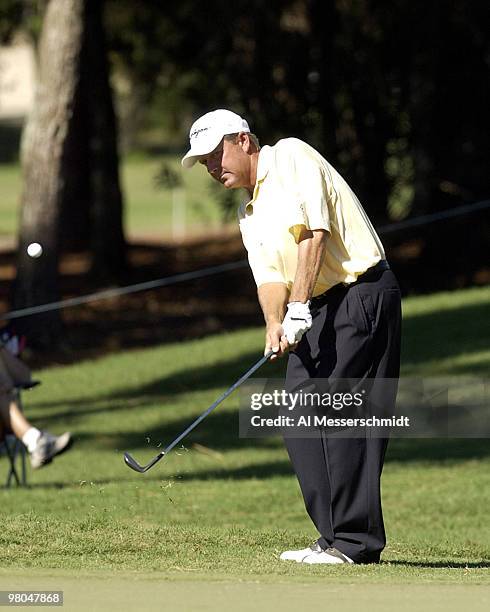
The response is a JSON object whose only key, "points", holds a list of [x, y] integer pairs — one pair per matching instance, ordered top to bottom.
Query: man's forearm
{"points": [[311, 251], [273, 298]]}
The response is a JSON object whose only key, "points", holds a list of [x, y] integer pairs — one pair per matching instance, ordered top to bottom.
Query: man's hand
{"points": [[296, 322], [275, 341]]}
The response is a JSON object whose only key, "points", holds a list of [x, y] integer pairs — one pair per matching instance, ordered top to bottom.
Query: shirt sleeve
{"points": [[305, 180], [263, 272]]}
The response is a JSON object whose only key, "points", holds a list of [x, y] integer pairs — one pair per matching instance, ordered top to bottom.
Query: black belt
{"points": [[381, 266], [370, 273]]}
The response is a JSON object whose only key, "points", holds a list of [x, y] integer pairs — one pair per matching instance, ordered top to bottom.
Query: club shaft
{"points": [[228, 392], [132, 463]]}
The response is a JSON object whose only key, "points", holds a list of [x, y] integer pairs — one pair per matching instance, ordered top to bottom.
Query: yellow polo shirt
{"points": [[297, 188]]}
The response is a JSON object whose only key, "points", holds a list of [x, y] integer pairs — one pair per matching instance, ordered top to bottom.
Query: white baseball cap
{"points": [[207, 132]]}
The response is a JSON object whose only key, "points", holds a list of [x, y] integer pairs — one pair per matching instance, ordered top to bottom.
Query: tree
{"points": [[395, 96], [43, 161], [71, 194], [92, 205], [107, 242]]}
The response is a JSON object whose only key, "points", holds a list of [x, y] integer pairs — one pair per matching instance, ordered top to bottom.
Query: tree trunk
{"points": [[43, 163], [76, 195], [107, 236]]}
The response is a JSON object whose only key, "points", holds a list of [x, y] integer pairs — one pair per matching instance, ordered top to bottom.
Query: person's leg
{"points": [[357, 336], [368, 338], [12, 372], [12, 417], [15, 422], [41, 445], [307, 455], [310, 465]]}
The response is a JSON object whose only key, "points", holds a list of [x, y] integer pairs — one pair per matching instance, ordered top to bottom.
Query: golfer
{"points": [[329, 299]]}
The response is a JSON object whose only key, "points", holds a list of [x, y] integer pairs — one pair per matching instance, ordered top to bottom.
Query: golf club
{"points": [[134, 465]]}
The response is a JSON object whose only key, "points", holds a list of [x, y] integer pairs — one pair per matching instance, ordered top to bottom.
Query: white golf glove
{"points": [[297, 321]]}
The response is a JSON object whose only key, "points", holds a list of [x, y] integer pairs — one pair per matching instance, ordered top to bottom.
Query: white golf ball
{"points": [[34, 249]]}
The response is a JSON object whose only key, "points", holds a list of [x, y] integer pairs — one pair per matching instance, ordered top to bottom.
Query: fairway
{"points": [[206, 525], [156, 591]]}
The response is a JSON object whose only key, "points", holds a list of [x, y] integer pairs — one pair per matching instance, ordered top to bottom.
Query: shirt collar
{"points": [[263, 166]]}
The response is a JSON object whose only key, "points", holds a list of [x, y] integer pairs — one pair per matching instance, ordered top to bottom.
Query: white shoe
{"points": [[48, 446], [299, 555], [331, 556]]}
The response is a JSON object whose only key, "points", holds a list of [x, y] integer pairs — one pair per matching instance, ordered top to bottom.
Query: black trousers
{"points": [[355, 334]]}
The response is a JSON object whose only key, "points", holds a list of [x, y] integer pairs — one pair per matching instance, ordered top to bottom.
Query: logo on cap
{"points": [[198, 131]]}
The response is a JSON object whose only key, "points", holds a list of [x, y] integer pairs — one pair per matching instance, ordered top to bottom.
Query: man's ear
{"points": [[245, 142]]}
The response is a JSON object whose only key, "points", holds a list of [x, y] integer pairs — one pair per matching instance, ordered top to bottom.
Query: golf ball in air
{"points": [[34, 249]]}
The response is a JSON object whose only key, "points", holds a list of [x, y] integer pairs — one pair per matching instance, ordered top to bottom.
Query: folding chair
{"points": [[14, 448]]}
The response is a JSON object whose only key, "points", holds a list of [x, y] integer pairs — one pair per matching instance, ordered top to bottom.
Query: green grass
{"points": [[10, 180], [148, 208], [447, 333], [225, 516]]}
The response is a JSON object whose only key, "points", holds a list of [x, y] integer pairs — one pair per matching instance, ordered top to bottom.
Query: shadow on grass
{"points": [[440, 335], [426, 337], [218, 376], [219, 433], [437, 450], [427, 451], [261, 471]]}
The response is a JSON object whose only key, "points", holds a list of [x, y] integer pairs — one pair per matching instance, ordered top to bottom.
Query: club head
{"points": [[133, 464]]}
